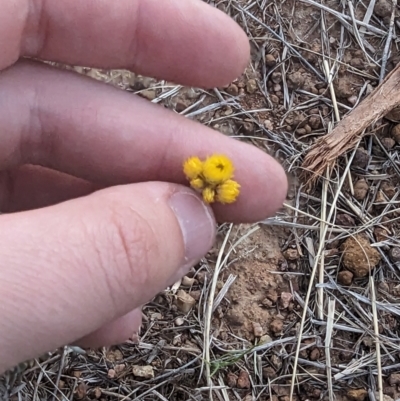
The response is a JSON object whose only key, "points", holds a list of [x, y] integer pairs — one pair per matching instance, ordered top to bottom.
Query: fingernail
{"points": [[197, 224]]}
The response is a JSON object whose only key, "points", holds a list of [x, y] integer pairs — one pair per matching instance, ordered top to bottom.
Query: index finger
{"points": [[188, 42]]}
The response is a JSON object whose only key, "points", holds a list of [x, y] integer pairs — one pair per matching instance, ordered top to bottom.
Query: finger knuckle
{"points": [[130, 246]]}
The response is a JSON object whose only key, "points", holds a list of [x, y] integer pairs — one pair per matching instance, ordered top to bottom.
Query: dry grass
{"points": [[353, 328]]}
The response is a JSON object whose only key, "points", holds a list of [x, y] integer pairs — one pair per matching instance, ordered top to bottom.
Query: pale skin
{"points": [[97, 215]]}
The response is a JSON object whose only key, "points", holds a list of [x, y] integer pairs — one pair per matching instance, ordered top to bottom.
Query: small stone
{"points": [[383, 8], [270, 60], [357, 63], [276, 77], [295, 80], [251, 86], [277, 88], [343, 88], [233, 90], [148, 94], [274, 99], [352, 100], [181, 104], [228, 111], [314, 122], [268, 125], [248, 128], [308, 129], [301, 131], [396, 133], [388, 143], [361, 158], [361, 189], [388, 189], [380, 197], [343, 219], [380, 234], [291, 254], [394, 254], [359, 256], [345, 277], [188, 281], [196, 295], [272, 295], [285, 299], [184, 301], [267, 302], [179, 321], [276, 326], [257, 329], [265, 339], [368, 342], [315, 354], [114, 355], [276, 361], [119, 368], [147, 371], [111, 373], [269, 373], [394, 379], [231, 380], [243, 380], [80, 391], [390, 391], [97, 393], [357, 394], [385, 397]]}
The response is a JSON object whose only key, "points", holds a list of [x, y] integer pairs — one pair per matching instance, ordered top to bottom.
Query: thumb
{"points": [[68, 269]]}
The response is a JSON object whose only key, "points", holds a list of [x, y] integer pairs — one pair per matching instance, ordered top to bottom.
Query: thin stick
{"points": [[388, 41], [210, 301], [328, 341], [377, 341]]}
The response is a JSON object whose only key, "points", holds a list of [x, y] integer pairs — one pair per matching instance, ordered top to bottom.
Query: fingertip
{"points": [[264, 187]]}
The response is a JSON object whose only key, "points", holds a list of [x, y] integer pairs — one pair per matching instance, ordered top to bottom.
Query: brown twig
{"points": [[344, 137]]}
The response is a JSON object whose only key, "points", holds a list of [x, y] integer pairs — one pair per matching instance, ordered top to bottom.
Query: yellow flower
{"points": [[192, 167], [217, 169], [197, 184], [228, 192], [208, 195]]}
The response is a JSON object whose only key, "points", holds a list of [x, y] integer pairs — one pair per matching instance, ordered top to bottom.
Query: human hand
{"points": [[98, 218]]}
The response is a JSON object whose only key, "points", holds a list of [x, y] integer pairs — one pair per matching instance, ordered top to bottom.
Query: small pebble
{"points": [[270, 60], [251, 86], [233, 90], [396, 133], [388, 143], [361, 158], [361, 189], [394, 254], [345, 277], [315, 354], [243, 380]]}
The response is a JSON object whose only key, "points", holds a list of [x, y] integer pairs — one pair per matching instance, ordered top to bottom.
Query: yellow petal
{"points": [[192, 167], [217, 169], [197, 184], [228, 192], [208, 195]]}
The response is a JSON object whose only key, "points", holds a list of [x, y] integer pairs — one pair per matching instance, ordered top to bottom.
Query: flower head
{"points": [[193, 167], [217, 169], [212, 178], [197, 183], [228, 192], [208, 195]]}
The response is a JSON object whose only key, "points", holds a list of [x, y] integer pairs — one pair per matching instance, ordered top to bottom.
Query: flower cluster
{"points": [[212, 178]]}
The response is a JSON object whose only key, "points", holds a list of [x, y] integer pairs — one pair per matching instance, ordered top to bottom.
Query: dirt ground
{"points": [[255, 338]]}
